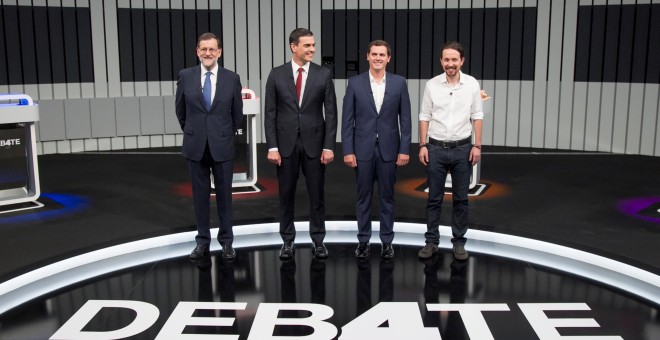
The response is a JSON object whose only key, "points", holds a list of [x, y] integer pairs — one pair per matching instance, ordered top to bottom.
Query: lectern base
{"points": [[20, 206]]}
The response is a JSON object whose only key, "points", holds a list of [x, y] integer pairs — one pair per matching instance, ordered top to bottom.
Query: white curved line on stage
{"points": [[103, 261]]}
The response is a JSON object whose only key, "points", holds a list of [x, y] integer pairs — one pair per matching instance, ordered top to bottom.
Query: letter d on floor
{"points": [[147, 314]]}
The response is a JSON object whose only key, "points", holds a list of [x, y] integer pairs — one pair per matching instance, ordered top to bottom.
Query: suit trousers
{"points": [[367, 172], [200, 174], [287, 176]]}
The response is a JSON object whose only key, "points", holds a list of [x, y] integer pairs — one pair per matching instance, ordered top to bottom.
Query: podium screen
{"points": [[13, 158]]}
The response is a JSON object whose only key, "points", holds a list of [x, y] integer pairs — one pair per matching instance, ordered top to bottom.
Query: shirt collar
{"points": [[295, 67], [214, 70], [443, 77], [373, 80]]}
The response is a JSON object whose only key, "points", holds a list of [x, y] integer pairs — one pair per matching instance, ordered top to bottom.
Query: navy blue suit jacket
{"points": [[361, 123], [216, 126]]}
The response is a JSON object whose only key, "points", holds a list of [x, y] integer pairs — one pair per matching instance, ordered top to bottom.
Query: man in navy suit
{"points": [[209, 107], [299, 136], [375, 139]]}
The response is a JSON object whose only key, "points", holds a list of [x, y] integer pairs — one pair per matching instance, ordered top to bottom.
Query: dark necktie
{"points": [[299, 82], [206, 90]]}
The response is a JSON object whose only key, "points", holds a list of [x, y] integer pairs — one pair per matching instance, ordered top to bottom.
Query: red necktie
{"points": [[299, 83]]}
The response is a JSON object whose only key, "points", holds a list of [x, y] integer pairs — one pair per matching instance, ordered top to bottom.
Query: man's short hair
{"points": [[295, 35], [209, 36], [380, 43], [454, 46]]}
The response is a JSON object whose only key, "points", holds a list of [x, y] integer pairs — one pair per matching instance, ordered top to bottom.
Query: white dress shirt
{"points": [[295, 68], [214, 78], [378, 90], [450, 109]]}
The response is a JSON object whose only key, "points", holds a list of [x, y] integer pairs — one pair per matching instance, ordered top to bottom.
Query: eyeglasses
{"points": [[209, 50]]}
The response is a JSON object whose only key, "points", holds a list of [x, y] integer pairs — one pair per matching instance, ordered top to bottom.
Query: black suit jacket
{"points": [[284, 118], [219, 124]]}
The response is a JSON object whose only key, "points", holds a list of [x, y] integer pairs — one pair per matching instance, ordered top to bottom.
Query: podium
{"points": [[19, 173], [244, 179]]}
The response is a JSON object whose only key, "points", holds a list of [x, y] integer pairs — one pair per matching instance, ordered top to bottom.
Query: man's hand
{"points": [[424, 155], [475, 155], [327, 156], [274, 157], [402, 159], [350, 160]]}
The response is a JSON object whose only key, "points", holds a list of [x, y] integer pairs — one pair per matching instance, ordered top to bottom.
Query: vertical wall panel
{"points": [[314, 9], [279, 36], [364, 37], [230, 40], [13, 42], [401, 43], [27, 45], [241, 45], [98, 49], [3, 60], [541, 74], [554, 74], [526, 109], [102, 113], [128, 116], [77, 117], [622, 117], [152, 119], [606, 119], [51, 120], [171, 122], [592, 124], [650, 129], [564, 132]]}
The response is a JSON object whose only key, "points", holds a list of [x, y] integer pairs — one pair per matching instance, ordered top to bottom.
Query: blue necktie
{"points": [[206, 90]]}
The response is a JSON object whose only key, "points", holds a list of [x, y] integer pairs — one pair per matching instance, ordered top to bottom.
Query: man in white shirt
{"points": [[451, 110]]}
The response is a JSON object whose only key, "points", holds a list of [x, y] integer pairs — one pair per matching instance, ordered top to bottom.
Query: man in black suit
{"points": [[209, 107], [299, 137], [375, 139]]}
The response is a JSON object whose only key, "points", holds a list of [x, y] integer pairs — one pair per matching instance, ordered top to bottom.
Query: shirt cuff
{"points": [[273, 149]]}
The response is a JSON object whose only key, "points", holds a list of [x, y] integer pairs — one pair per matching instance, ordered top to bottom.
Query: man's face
{"points": [[304, 51], [208, 53], [378, 58], [451, 62]]}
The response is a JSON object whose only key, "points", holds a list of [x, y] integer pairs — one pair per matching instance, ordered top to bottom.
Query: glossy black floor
{"points": [[599, 203]]}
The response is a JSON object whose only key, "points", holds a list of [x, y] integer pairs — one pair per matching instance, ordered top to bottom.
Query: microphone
{"points": [[451, 93]]}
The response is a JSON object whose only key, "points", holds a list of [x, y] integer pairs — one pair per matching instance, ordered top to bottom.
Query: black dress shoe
{"points": [[320, 250], [362, 250], [199, 251], [287, 251], [228, 252], [387, 252]]}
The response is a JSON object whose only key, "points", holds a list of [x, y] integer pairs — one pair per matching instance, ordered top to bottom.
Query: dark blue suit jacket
{"points": [[361, 123], [216, 126]]}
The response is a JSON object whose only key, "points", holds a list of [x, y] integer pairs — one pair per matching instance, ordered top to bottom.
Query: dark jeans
{"points": [[443, 161]]}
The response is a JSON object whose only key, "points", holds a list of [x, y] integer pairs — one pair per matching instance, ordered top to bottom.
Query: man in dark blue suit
{"points": [[209, 107], [301, 127], [375, 137]]}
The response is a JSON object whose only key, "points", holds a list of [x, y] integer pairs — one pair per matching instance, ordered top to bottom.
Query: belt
{"points": [[450, 144]]}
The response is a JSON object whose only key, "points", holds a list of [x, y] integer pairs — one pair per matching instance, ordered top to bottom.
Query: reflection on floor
{"points": [[368, 297]]}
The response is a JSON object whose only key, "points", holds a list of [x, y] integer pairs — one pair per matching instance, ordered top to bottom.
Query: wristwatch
{"points": [[423, 146], [476, 146]]}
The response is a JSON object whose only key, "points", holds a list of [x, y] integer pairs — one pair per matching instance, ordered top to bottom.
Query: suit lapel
{"points": [[311, 77], [219, 83], [291, 83], [367, 85], [385, 94], [200, 95]]}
